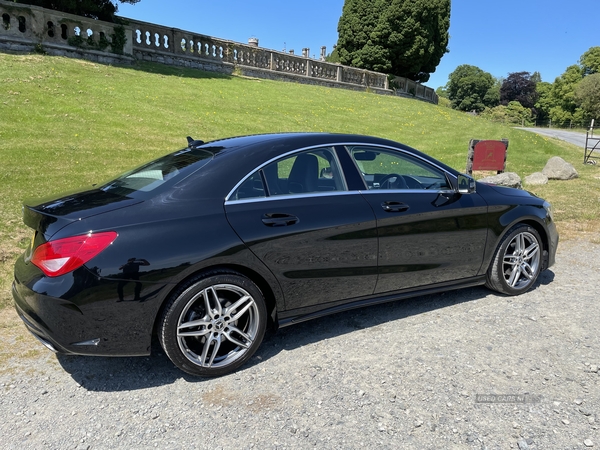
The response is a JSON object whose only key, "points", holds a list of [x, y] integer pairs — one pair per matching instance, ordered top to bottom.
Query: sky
{"points": [[499, 37]]}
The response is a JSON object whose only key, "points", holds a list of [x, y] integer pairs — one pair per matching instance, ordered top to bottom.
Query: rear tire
{"points": [[517, 262], [213, 324]]}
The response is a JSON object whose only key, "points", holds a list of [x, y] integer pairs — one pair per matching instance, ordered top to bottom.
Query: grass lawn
{"points": [[65, 123]]}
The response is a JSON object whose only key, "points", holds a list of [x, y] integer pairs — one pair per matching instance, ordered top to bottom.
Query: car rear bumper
{"points": [[24, 299], [95, 322]]}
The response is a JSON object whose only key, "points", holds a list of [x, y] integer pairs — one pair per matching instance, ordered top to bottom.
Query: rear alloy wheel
{"points": [[517, 262], [214, 324]]}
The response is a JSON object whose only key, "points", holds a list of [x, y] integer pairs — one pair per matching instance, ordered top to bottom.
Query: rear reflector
{"points": [[56, 258]]}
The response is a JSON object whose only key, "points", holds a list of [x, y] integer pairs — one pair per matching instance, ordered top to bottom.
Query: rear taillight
{"points": [[56, 258]]}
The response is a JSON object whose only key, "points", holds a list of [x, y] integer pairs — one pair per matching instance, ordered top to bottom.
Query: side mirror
{"points": [[466, 184]]}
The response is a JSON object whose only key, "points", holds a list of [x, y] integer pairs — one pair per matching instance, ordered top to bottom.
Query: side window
{"points": [[386, 169], [314, 170], [253, 187]]}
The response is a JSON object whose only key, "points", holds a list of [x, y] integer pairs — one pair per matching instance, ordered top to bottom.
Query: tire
{"points": [[517, 262], [213, 324]]}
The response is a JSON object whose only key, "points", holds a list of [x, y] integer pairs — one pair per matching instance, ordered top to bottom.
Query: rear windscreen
{"points": [[154, 174]]}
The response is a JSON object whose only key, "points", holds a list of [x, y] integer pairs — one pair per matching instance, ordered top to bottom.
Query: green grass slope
{"points": [[65, 123]]}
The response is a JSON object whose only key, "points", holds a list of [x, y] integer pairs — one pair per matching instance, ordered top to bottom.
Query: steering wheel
{"points": [[394, 181], [412, 182]]}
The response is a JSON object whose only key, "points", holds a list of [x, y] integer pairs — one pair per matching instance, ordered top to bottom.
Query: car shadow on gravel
{"points": [[131, 373]]}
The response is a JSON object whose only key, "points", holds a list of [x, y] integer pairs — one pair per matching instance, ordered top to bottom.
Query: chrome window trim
{"points": [[332, 145], [407, 153], [282, 156], [408, 191], [291, 196]]}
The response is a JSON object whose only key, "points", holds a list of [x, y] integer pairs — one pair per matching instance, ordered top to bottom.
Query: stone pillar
{"points": [[253, 42], [128, 47], [291, 51], [306, 52], [323, 53], [308, 68], [339, 73]]}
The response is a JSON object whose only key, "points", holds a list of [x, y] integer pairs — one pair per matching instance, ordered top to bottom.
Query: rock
{"points": [[558, 169], [536, 178], [509, 179], [578, 401], [522, 443], [588, 443]]}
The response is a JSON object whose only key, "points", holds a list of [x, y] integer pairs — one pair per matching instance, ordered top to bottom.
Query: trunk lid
{"points": [[50, 215]]}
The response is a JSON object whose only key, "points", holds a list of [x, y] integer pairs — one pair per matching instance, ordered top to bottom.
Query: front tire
{"points": [[517, 262], [213, 324]]}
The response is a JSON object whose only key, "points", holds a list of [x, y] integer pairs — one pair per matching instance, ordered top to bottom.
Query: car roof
{"points": [[235, 157]]}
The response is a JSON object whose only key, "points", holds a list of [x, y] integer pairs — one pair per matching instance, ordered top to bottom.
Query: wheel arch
{"points": [[531, 220], [254, 276]]}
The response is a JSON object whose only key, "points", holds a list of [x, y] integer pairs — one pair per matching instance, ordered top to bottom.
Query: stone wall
{"points": [[25, 28]]}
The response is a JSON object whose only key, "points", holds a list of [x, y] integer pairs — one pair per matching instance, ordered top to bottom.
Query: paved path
{"points": [[569, 136]]}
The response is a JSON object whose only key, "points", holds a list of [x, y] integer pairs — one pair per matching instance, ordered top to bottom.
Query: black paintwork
{"points": [[335, 250]]}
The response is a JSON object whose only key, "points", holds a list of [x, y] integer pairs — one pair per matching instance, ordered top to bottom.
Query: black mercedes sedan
{"points": [[208, 246]]}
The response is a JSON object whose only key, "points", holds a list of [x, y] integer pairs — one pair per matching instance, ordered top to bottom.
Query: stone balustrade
{"points": [[26, 28]]}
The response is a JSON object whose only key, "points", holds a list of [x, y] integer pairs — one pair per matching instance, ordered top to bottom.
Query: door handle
{"points": [[394, 206], [279, 220]]}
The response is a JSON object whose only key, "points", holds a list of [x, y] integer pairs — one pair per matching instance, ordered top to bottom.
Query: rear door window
{"points": [[307, 172]]}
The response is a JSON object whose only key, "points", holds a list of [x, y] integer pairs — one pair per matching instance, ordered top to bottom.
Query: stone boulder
{"points": [[558, 169], [536, 178], [509, 179]]}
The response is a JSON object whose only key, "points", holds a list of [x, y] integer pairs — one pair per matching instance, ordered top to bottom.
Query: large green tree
{"points": [[96, 9], [403, 37], [358, 44], [590, 61], [472, 89], [587, 96], [544, 102], [564, 108]]}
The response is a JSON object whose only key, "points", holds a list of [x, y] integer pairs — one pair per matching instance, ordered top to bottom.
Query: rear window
{"points": [[156, 173]]}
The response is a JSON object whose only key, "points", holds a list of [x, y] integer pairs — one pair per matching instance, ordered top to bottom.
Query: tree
{"points": [[96, 9], [404, 37], [356, 44], [333, 57], [590, 61], [536, 77], [519, 87], [470, 88], [442, 92], [587, 95], [492, 96], [545, 101], [564, 109], [514, 113]]}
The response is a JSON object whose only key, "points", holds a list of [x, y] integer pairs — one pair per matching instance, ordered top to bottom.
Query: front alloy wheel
{"points": [[518, 261], [214, 325]]}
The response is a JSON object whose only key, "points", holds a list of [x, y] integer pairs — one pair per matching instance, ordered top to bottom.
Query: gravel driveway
{"points": [[418, 374]]}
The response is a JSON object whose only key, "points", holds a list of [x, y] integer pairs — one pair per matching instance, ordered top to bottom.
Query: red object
{"points": [[489, 155], [56, 258]]}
